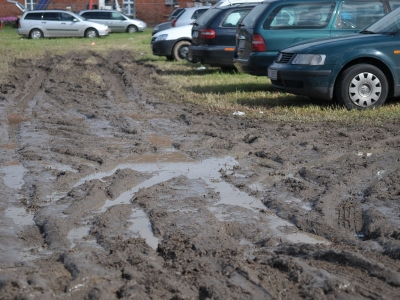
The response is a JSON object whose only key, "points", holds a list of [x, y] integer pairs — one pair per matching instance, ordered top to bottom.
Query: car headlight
{"points": [[161, 37], [309, 59]]}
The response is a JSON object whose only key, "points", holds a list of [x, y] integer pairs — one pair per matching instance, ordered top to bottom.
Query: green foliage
{"points": [[218, 92]]}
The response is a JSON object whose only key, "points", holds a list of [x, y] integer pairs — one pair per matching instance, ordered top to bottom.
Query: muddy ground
{"points": [[109, 192]]}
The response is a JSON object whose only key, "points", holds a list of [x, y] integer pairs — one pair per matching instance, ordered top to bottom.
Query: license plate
{"points": [[195, 34], [241, 44], [273, 74]]}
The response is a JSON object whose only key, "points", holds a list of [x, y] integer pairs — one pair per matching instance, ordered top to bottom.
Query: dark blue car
{"points": [[360, 70]]}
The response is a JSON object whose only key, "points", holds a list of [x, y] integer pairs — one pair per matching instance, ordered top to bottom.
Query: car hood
{"points": [[177, 32], [332, 44]]}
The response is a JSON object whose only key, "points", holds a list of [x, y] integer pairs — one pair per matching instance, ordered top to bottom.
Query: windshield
{"points": [[389, 24]]}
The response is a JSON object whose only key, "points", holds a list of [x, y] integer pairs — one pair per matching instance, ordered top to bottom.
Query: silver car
{"points": [[118, 22], [37, 24]]}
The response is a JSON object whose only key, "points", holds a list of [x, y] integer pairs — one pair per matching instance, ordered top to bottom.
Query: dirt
{"points": [[109, 192]]}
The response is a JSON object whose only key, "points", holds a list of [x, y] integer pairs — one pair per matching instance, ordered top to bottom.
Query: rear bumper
{"points": [[218, 56], [256, 64]]}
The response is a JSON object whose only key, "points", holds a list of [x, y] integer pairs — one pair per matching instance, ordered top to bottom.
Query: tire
{"points": [[132, 29], [91, 33], [36, 34], [181, 50], [229, 70], [362, 86]]}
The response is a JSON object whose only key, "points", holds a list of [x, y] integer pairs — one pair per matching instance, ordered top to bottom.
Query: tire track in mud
{"points": [[101, 151]]}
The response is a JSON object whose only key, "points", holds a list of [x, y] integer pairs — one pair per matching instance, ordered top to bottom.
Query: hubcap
{"points": [[183, 52], [365, 89]]}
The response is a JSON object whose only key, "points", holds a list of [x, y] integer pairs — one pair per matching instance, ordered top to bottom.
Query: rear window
{"points": [[198, 13], [255, 13], [303, 15], [33, 16], [207, 17], [234, 17]]}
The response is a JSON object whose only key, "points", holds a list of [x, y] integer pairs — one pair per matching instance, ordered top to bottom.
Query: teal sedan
{"points": [[360, 71]]}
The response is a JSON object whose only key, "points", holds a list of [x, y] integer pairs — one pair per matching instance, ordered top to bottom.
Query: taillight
{"points": [[173, 22], [19, 24], [207, 34], [258, 44]]}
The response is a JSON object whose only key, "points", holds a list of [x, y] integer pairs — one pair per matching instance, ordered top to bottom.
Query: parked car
{"points": [[174, 14], [186, 16], [118, 22], [37, 24], [277, 24], [214, 36], [172, 43], [360, 70]]}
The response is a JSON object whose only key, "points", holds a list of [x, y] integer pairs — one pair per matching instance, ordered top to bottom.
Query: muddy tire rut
{"points": [[112, 193]]}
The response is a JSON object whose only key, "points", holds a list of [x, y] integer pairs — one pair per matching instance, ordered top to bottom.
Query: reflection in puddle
{"points": [[208, 171], [13, 176], [20, 216], [142, 226]]}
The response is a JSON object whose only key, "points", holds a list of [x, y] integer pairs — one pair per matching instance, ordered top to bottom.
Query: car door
{"points": [[118, 23], [292, 23], [51, 24], [69, 27]]}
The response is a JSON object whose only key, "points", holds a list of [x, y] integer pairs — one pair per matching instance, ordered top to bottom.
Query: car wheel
{"points": [[132, 29], [91, 33], [36, 34], [181, 50], [362, 86]]}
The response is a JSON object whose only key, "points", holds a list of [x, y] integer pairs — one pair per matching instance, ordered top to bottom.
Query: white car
{"points": [[172, 43]]}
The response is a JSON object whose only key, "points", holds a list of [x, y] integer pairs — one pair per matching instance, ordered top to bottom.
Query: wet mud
{"points": [[110, 193]]}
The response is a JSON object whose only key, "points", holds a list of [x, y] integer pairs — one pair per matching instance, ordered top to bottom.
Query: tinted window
{"points": [[304, 15], [357, 15], [33, 16], [51, 16], [207, 17], [234, 17]]}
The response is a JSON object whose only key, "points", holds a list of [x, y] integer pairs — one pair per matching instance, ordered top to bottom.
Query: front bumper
{"points": [[162, 48], [216, 56], [315, 83]]}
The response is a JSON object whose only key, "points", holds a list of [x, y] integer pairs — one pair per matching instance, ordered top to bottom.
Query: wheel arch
{"points": [[372, 61]]}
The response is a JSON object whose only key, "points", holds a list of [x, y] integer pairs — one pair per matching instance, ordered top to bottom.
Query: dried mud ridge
{"points": [[109, 192]]}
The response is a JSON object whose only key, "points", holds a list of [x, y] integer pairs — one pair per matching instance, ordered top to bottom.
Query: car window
{"points": [[394, 4], [198, 13], [303, 15], [357, 15], [33, 16], [51, 16], [116, 16], [67, 17], [206, 17], [234, 17], [387, 25]]}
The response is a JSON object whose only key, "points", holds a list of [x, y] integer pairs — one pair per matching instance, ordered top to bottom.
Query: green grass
{"points": [[217, 92]]}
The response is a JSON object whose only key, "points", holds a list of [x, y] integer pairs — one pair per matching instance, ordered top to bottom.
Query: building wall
{"points": [[152, 12]]}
